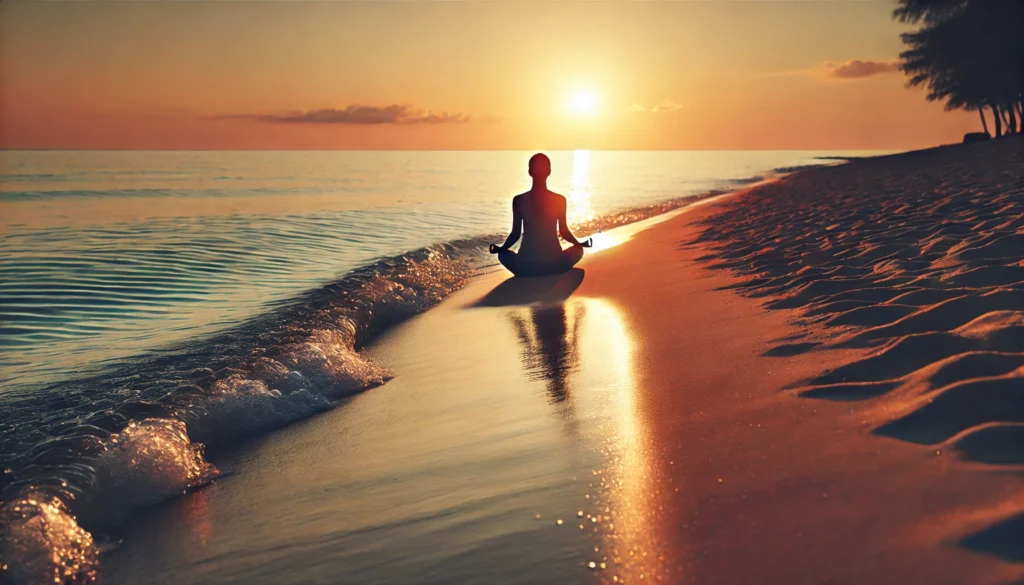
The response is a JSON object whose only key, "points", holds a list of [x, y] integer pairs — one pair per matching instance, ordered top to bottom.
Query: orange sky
{"points": [[370, 75]]}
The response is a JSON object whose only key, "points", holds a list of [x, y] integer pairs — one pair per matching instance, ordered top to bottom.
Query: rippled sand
{"points": [[919, 260]]}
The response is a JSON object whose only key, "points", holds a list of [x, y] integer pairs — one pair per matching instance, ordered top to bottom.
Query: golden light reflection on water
{"points": [[580, 205], [581, 214], [583, 350], [627, 507], [197, 514]]}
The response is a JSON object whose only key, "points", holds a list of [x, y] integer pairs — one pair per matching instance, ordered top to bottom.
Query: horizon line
{"points": [[461, 149]]}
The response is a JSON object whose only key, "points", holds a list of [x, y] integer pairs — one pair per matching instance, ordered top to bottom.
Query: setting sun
{"points": [[583, 103]]}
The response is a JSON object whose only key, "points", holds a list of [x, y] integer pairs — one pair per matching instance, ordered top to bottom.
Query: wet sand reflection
{"points": [[549, 337], [583, 351], [625, 517]]}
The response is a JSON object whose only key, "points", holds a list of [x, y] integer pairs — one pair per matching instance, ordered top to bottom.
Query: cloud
{"points": [[856, 68], [847, 70], [666, 106], [663, 107], [357, 114]]}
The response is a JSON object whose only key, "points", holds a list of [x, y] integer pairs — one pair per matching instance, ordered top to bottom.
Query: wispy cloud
{"points": [[857, 68], [846, 70], [660, 108], [356, 114]]}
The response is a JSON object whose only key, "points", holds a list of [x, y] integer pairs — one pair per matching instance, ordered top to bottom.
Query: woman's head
{"points": [[540, 166]]}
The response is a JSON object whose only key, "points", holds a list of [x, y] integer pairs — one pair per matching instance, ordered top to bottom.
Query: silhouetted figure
{"points": [[539, 217]]}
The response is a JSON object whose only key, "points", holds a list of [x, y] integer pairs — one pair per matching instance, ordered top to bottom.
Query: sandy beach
{"points": [[815, 380]]}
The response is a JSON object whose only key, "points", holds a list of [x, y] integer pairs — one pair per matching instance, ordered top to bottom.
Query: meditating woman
{"points": [[539, 217]]}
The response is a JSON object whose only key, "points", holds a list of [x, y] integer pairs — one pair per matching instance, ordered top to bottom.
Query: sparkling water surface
{"points": [[108, 254], [156, 303]]}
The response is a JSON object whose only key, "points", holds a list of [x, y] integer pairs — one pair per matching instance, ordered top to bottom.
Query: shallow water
{"points": [[153, 301], [520, 460]]}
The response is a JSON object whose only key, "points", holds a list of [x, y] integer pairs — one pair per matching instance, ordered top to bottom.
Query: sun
{"points": [[583, 103]]}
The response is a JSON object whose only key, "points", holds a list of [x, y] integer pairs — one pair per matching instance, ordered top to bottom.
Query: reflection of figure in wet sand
{"points": [[549, 345]]}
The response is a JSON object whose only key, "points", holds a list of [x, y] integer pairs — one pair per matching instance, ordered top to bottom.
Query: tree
{"points": [[930, 11], [968, 53]]}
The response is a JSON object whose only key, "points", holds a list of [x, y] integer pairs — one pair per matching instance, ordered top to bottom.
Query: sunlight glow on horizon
{"points": [[268, 76]]}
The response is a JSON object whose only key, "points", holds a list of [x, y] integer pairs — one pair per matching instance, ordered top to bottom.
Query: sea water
{"points": [[153, 301]]}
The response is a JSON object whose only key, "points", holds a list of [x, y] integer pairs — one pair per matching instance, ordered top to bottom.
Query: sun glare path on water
{"points": [[580, 203]]}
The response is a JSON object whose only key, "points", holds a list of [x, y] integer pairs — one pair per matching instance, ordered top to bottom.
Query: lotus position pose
{"points": [[539, 217]]}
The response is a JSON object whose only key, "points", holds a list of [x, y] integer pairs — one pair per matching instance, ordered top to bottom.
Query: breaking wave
{"points": [[80, 454]]}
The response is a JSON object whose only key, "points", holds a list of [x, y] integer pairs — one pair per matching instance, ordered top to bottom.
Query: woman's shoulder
{"points": [[557, 197], [544, 198]]}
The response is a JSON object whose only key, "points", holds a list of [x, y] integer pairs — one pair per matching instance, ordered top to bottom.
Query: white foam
{"points": [[328, 359], [149, 461], [43, 543]]}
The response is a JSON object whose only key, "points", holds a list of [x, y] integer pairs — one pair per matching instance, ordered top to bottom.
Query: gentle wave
{"points": [[42, 194], [115, 253], [182, 270], [83, 446], [83, 453], [80, 454]]}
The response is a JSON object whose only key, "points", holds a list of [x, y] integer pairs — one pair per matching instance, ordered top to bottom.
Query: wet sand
{"points": [[696, 405]]}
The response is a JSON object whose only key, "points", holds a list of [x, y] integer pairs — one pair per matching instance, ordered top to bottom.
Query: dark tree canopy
{"points": [[930, 11], [969, 54]]}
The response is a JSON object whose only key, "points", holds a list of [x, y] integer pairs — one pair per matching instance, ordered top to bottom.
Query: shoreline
{"points": [[461, 245], [772, 349], [694, 426], [167, 443]]}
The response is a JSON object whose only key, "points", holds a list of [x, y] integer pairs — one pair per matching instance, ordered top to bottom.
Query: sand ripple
{"points": [[918, 258]]}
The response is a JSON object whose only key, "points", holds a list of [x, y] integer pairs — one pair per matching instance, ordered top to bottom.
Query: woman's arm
{"points": [[517, 226], [563, 228]]}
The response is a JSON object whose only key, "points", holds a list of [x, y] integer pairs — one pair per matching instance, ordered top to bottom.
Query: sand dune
{"points": [[918, 258]]}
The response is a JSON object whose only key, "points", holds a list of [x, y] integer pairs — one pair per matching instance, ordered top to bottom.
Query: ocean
{"points": [[152, 303]]}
